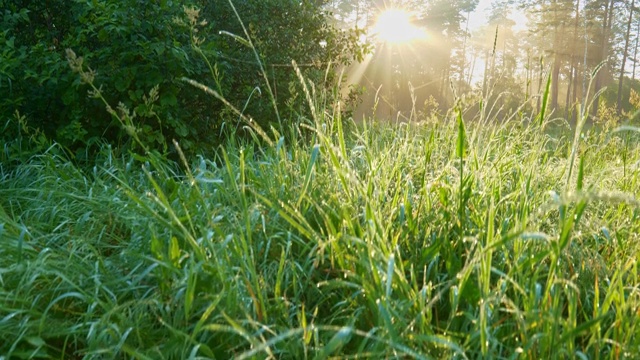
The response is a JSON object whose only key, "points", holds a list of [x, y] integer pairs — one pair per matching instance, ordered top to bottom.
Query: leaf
{"points": [[237, 38], [122, 82], [545, 98], [168, 100], [627, 127], [182, 130], [460, 145], [581, 174], [307, 178], [156, 248], [174, 252], [390, 270], [192, 280], [585, 326], [338, 340], [36, 341]]}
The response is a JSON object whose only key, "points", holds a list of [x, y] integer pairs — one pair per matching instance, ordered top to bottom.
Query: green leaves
{"points": [[134, 46], [545, 100], [460, 153], [307, 178], [340, 339]]}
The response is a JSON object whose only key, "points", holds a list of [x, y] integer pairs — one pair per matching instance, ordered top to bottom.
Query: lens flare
{"points": [[394, 26]]}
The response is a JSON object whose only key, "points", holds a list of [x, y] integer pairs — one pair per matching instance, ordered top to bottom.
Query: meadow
{"points": [[442, 238]]}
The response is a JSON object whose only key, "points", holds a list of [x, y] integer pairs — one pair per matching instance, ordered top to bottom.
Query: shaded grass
{"points": [[412, 240]]}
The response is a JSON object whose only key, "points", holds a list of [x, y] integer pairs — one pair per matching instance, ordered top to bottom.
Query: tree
{"points": [[606, 7], [444, 20], [549, 27], [627, 39], [501, 46], [413, 73]]}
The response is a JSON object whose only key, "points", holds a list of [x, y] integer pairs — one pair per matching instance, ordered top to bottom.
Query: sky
{"points": [[479, 16]]}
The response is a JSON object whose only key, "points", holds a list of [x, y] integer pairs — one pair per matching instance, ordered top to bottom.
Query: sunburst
{"points": [[394, 26]]}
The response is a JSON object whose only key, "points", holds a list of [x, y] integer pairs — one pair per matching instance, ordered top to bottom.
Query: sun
{"points": [[394, 26]]}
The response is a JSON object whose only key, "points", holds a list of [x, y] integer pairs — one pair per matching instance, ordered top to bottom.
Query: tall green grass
{"points": [[455, 238], [422, 240]]}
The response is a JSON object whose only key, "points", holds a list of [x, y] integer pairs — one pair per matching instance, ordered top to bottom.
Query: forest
{"points": [[508, 54], [324, 179]]}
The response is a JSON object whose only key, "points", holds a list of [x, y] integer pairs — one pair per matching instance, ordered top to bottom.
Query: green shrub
{"points": [[134, 46]]}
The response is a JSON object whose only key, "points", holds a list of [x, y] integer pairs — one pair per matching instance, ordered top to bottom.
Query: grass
{"points": [[454, 238], [447, 239]]}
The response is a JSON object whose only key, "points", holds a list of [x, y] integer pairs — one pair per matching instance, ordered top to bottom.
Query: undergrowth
{"points": [[413, 240]]}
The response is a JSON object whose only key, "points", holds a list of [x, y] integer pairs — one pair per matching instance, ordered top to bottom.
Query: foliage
{"points": [[135, 46], [261, 48], [630, 90], [634, 99], [20, 141]]}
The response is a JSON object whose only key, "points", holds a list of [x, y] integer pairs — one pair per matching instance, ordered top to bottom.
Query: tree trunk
{"points": [[464, 49], [604, 50], [635, 54], [624, 56], [472, 68], [573, 70], [540, 74], [555, 74], [529, 76], [485, 78], [555, 79], [570, 81], [575, 89]]}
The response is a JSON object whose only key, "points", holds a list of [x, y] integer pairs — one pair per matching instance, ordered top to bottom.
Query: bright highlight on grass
{"points": [[394, 26]]}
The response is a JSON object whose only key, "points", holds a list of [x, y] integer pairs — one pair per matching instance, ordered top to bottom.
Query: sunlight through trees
{"points": [[502, 48]]}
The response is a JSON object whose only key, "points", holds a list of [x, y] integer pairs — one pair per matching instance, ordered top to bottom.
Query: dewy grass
{"points": [[450, 240], [390, 241]]}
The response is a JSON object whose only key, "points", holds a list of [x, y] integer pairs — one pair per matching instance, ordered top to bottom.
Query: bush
{"points": [[136, 45]]}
